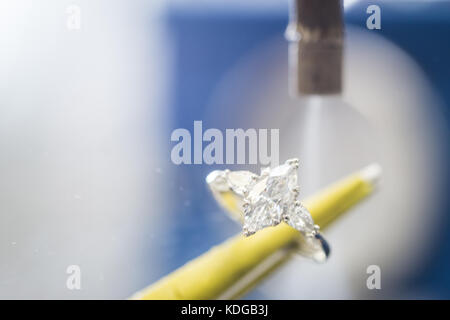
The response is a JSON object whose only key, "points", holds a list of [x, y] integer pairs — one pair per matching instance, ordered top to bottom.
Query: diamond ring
{"points": [[260, 201]]}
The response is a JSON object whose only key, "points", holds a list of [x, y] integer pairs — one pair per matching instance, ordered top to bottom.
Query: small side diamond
{"points": [[270, 197], [266, 200], [299, 218]]}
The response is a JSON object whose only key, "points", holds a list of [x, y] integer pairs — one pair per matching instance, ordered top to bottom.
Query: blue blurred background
{"points": [[210, 41]]}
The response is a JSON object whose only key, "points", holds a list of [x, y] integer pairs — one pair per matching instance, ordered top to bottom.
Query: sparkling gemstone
{"points": [[217, 181], [240, 181], [281, 183], [258, 189], [271, 195], [267, 199], [260, 215], [299, 218]]}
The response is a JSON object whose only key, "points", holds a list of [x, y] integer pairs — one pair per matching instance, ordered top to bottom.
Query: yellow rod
{"points": [[232, 268]]}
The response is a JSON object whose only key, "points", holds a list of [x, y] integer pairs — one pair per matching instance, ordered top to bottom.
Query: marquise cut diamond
{"points": [[240, 181], [275, 192], [300, 219]]}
